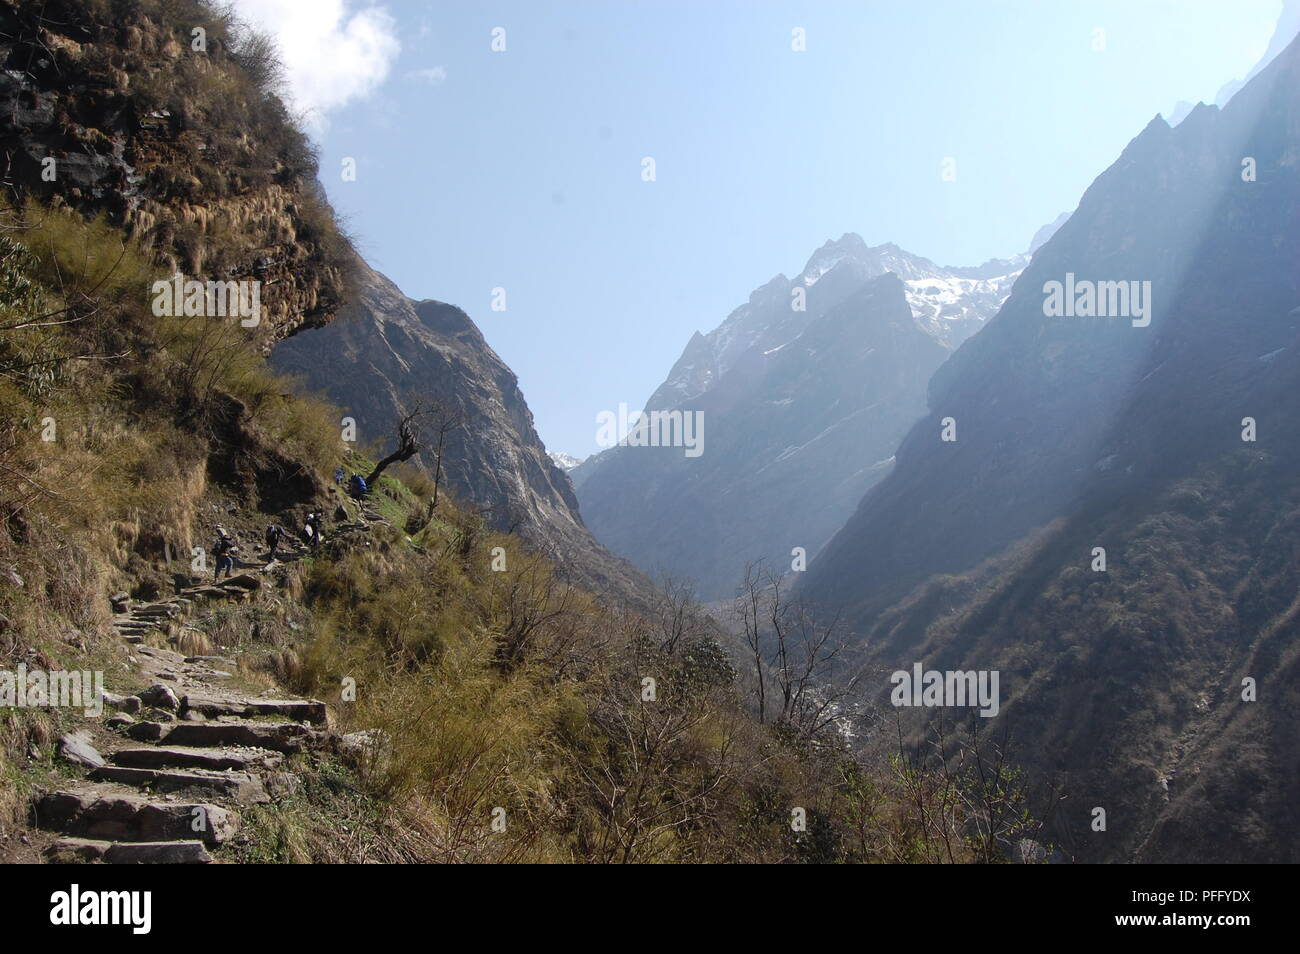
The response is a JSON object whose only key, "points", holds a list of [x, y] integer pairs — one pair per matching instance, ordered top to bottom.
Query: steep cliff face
{"points": [[110, 109], [386, 353], [1172, 446]]}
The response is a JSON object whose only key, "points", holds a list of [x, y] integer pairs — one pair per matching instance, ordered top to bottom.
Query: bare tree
{"points": [[445, 421], [409, 443], [748, 610], [677, 613], [800, 653]]}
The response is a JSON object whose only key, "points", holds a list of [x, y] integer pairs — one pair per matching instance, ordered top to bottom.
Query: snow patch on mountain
{"points": [[949, 303], [951, 308], [566, 462]]}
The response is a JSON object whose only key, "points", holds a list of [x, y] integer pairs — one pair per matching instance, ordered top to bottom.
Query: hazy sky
{"points": [[522, 169]]}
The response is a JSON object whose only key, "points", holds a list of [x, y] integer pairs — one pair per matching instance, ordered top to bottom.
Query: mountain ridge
{"points": [[1087, 439], [733, 508]]}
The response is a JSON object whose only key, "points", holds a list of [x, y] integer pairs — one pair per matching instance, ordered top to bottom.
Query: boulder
{"points": [[160, 696], [130, 704], [146, 731], [76, 747]]}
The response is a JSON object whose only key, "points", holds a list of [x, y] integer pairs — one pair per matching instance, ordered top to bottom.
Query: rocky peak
{"points": [[386, 352]]}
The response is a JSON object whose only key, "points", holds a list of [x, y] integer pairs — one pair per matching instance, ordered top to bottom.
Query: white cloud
{"points": [[334, 51], [434, 74]]}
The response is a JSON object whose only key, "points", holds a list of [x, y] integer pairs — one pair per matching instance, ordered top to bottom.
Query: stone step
{"points": [[160, 609], [166, 655], [212, 661], [211, 675], [299, 710], [286, 737], [214, 759], [237, 786], [103, 813], [130, 852]]}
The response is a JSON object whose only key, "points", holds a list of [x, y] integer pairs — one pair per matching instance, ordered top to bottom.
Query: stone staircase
{"points": [[181, 757]]}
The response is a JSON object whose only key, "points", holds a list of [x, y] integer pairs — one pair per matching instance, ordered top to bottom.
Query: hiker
{"points": [[339, 474], [357, 486], [313, 528], [274, 534], [224, 551]]}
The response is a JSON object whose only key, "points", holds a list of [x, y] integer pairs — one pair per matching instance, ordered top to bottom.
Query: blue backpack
{"points": [[358, 485]]}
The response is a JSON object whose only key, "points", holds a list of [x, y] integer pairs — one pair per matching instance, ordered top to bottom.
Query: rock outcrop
{"points": [[111, 111]]}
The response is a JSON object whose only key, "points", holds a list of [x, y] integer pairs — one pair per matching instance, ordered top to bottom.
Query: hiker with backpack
{"points": [[357, 488], [313, 528], [274, 534], [224, 550]]}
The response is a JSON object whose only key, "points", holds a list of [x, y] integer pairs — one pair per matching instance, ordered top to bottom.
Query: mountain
{"points": [[1286, 30], [950, 303], [386, 353], [802, 411], [1126, 434], [566, 462]]}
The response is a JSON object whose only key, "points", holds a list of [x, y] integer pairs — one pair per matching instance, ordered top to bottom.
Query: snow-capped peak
{"points": [[566, 462]]}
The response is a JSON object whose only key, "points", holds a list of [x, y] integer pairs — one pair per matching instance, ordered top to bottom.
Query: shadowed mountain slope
{"points": [[1076, 433]]}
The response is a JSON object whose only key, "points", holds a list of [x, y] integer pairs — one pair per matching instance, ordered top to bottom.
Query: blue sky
{"points": [[522, 169]]}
